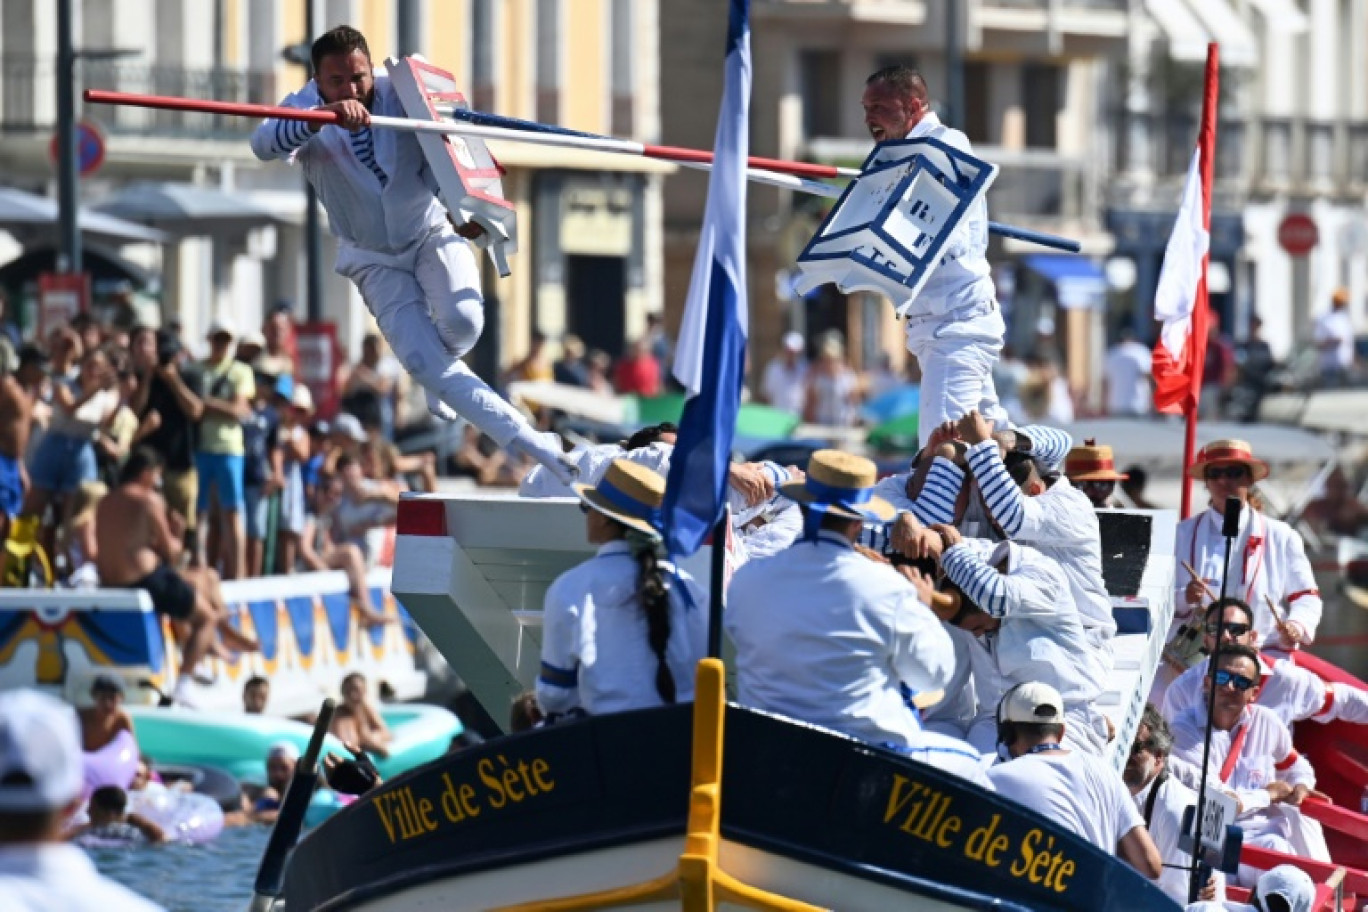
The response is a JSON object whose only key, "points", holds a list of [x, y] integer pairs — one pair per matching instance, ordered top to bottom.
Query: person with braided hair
{"points": [[624, 629]]}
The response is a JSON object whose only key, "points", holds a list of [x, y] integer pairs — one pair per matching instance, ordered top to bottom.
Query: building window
{"points": [[483, 54], [819, 74], [548, 82], [624, 84], [1043, 96]]}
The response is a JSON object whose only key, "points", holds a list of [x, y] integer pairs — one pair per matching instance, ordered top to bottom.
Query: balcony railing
{"points": [[28, 93], [1260, 154]]}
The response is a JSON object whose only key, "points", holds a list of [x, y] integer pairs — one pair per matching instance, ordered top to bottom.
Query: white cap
{"points": [[221, 325], [253, 337], [793, 341], [302, 398], [349, 426], [1034, 702], [284, 749], [41, 768], [1292, 884]]}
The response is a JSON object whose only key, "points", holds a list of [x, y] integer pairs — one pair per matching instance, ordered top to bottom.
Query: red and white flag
{"points": [[1180, 302]]}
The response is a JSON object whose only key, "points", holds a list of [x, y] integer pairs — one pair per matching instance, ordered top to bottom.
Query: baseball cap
{"points": [[221, 326], [253, 337], [793, 341], [302, 399], [349, 426], [1034, 702], [40, 752], [1293, 885]]}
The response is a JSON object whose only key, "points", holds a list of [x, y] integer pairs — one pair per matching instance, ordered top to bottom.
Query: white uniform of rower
{"points": [[418, 277], [954, 326], [1267, 561], [1026, 629], [829, 637], [602, 648]]}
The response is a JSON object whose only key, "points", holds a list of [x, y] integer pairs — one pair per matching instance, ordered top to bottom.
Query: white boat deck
{"points": [[473, 570]]}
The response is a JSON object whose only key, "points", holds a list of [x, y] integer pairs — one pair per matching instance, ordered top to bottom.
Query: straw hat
{"points": [[1227, 452], [1091, 462], [840, 484], [629, 493]]}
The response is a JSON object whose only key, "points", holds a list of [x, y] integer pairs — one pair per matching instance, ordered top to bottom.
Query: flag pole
{"points": [[1206, 144]]}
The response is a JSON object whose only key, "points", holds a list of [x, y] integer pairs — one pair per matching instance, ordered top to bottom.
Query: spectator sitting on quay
{"points": [[569, 368], [637, 371], [596, 372], [368, 508], [76, 544], [319, 551]]}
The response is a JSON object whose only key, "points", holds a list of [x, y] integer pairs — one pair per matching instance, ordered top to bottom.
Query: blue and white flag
{"points": [[711, 353]]}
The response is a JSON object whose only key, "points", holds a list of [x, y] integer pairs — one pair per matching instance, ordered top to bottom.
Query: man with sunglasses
{"points": [[1267, 561], [1291, 692], [1252, 756]]}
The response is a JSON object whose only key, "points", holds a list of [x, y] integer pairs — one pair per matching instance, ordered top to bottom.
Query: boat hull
{"points": [[603, 802]]}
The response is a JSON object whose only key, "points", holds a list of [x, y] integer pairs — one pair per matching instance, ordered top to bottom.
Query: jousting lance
{"points": [[804, 177]]}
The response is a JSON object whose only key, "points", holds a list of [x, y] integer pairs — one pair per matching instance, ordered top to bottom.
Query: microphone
{"points": [[1230, 527]]}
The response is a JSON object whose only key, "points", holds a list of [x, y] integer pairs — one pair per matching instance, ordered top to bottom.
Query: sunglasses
{"points": [[1234, 473], [1238, 630], [1231, 679]]}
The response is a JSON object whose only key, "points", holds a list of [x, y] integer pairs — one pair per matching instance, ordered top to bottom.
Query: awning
{"points": [[1282, 15], [1190, 24], [185, 209], [28, 213], [1078, 281]]}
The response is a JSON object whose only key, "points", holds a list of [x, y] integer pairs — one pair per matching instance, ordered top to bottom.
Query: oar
{"points": [[801, 176], [271, 873]]}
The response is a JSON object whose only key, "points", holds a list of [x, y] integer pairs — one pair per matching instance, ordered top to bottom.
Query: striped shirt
{"points": [[286, 136], [363, 145], [934, 503]]}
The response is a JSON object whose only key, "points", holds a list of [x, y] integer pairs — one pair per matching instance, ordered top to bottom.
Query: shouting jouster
{"points": [[415, 271]]}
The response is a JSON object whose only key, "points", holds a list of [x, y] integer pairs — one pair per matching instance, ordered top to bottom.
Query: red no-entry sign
{"points": [[1298, 234]]}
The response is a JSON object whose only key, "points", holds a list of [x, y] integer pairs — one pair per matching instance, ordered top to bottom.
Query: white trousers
{"points": [[428, 305], [956, 353]]}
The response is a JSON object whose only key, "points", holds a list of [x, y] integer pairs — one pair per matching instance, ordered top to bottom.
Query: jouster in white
{"points": [[418, 277], [1026, 629], [1291, 693]]}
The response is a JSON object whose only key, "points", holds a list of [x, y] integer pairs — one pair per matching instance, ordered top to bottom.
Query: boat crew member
{"points": [[417, 275], [954, 326], [1091, 468], [1027, 499], [1267, 562], [1016, 603], [624, 629], [826, 636], [1291, 692], [1251, 753], [41, 778], [1080, 792], [1161, 799], [1285, 888]]}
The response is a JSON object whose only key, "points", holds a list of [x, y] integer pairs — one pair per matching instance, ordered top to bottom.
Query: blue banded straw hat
{"points": [[838, 484], [629, 493]]}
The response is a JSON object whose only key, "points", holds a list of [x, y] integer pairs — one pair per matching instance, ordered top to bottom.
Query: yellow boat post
{"points": [[698, 882]]}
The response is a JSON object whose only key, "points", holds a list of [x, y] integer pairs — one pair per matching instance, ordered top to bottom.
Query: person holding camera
{"points": [[169, 403]]}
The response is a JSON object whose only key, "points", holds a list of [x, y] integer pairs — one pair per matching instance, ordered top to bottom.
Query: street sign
{"points": [[90, 148], [1298, 234], [61, 296], [319, 362]]}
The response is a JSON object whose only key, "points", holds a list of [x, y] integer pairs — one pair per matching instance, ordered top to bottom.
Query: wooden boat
{"points": [[639, 809]]}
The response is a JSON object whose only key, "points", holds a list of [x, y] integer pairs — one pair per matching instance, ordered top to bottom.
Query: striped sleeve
{"points": [[277, 138], [1049, 446], [1004, 499], [935, 502], [984, 585]]}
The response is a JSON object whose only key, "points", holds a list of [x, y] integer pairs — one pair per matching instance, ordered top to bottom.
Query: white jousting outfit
{"points": [[419, 278], [954, 327], [1061, 524], [1268, 559], [826, 636], [1041, 638], [595, 652], [1291, 692], [1265, 754], [1162, 804]]}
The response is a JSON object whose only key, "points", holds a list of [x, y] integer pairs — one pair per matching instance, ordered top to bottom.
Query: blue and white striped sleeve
{"points": [[275, 138], [1049, 446], [1004, 499], [935, 502], [986, 587], [558, 682]]}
